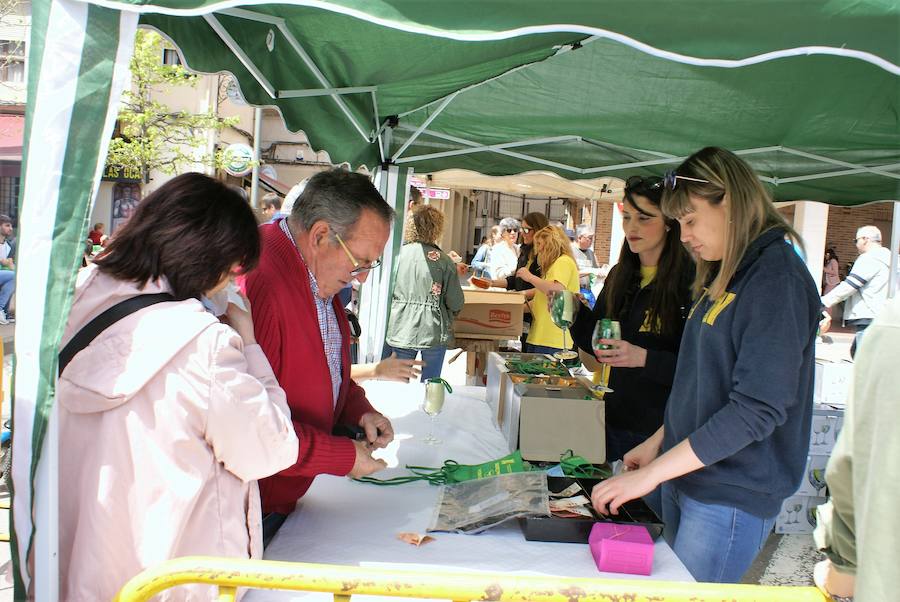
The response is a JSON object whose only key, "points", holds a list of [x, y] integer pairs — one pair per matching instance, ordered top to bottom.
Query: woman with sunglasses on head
{"points": [[553, 253], [649, 293], [736, 432]]}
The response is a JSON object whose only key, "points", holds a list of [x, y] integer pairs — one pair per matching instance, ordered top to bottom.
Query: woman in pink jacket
{"points": [[169, 416]]}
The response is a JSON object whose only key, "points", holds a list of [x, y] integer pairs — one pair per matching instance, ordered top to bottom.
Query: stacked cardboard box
{"points": [[826, 425]]}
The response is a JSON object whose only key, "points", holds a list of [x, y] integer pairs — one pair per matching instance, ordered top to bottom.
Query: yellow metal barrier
{"points": [[344, 581]]}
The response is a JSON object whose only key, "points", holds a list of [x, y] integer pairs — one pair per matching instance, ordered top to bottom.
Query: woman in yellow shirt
{"points": [[560, 272]]}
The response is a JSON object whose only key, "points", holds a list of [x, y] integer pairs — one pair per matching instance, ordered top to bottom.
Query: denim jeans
{"points": [[7, 287], [859, 326], [433, 358], [716, 543]]}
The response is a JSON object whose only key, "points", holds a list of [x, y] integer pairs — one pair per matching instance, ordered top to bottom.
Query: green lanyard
{"points": [[579, 468], [454, 472]]}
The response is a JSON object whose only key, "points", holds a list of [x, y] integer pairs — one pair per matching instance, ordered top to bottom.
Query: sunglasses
{"points": [[670, 180], [510, 229], [527, 230], [357, 269]]}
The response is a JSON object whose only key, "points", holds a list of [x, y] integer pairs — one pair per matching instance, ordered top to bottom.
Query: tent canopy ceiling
{"points": [[808, 92]]}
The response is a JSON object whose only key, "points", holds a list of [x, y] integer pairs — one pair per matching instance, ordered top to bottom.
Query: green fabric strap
{"points": [[579, 468], [454, 472]]}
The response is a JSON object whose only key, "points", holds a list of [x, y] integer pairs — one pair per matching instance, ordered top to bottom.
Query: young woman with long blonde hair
{"points": [[553, 253], [734, 440]]}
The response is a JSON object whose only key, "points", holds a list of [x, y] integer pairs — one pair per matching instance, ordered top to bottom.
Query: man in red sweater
{"points": [[336, 232]]}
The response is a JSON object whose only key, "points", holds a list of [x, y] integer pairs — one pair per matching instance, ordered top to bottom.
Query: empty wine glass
{"points": [[562, 306], [433, 404], [825, 428], [797, 509], [789, 512]]}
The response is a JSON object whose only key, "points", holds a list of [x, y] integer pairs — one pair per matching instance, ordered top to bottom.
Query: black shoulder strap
{"points": [[109, 317]]}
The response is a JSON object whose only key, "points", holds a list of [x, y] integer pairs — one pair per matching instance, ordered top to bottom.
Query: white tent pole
{"points": [[240, 54], [311, 65], [325, 92], [424, 125], [376, 133], [489, 147], [501, 151], [747, 151], [874, 170], [834, 174], [254, 178], [895, 250]]}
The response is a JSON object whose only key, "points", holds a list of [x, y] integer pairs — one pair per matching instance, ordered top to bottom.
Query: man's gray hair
{"points": [[338, 197], [509, 223], [583, 230], [870, 232]]}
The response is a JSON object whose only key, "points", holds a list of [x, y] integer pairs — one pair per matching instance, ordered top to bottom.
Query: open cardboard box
{"points": [[490, 312], [542, 421], [577, 530]]}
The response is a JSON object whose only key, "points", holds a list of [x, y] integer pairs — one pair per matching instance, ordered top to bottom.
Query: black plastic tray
{"points": [[577, 530]]}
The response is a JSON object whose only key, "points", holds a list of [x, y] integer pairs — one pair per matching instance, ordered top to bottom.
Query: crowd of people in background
{"points": [[256, 388]]}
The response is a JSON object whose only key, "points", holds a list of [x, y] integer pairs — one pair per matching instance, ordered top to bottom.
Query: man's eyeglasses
{"points": [[670, 180], [859, 238], [357, 269]]}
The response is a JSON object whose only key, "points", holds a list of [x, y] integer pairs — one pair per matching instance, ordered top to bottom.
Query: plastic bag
{"points": [[473, 506]]}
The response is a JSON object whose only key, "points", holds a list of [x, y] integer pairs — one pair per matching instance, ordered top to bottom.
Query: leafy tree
{"points": [[154, 136]]}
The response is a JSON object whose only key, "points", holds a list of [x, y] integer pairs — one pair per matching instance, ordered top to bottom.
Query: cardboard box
{"points": [[491, 312], [496, 381], [832, 382], [545, 421], [813, 482], [798, 514]]}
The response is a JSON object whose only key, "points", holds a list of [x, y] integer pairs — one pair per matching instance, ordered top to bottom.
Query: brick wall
{"points": [[843, 223], [602, 231]]}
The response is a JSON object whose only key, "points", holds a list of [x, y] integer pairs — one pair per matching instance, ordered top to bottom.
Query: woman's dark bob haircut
{"points": [[191, 231]]}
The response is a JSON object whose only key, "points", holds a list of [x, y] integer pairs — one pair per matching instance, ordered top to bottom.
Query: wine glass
{"points": [[562, 306], [604, 329], [433, 404], [825, 428], [817, 478], [797, 509]]}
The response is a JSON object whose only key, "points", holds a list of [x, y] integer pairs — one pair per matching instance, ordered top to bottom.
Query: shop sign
{"points": [[238, 159], [121, 173], [436, 193]]}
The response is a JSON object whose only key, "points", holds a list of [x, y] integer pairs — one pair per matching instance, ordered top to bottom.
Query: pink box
{"points": [[622, 548]]}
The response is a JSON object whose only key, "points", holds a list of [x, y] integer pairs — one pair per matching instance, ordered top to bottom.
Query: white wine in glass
{"points": [[433, 404]]}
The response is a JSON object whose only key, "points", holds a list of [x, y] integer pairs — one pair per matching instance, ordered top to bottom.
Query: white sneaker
{"points": [[3, 318]]}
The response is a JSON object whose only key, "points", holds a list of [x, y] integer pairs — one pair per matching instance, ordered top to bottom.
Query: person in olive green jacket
{"points": [[427, 294], [858, 528]]}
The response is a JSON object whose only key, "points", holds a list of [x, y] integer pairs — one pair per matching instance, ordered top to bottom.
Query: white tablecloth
{"points": [[340, 521]]}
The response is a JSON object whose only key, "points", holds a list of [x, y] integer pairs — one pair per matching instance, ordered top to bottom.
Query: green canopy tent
{"points": [[807, 91]]}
